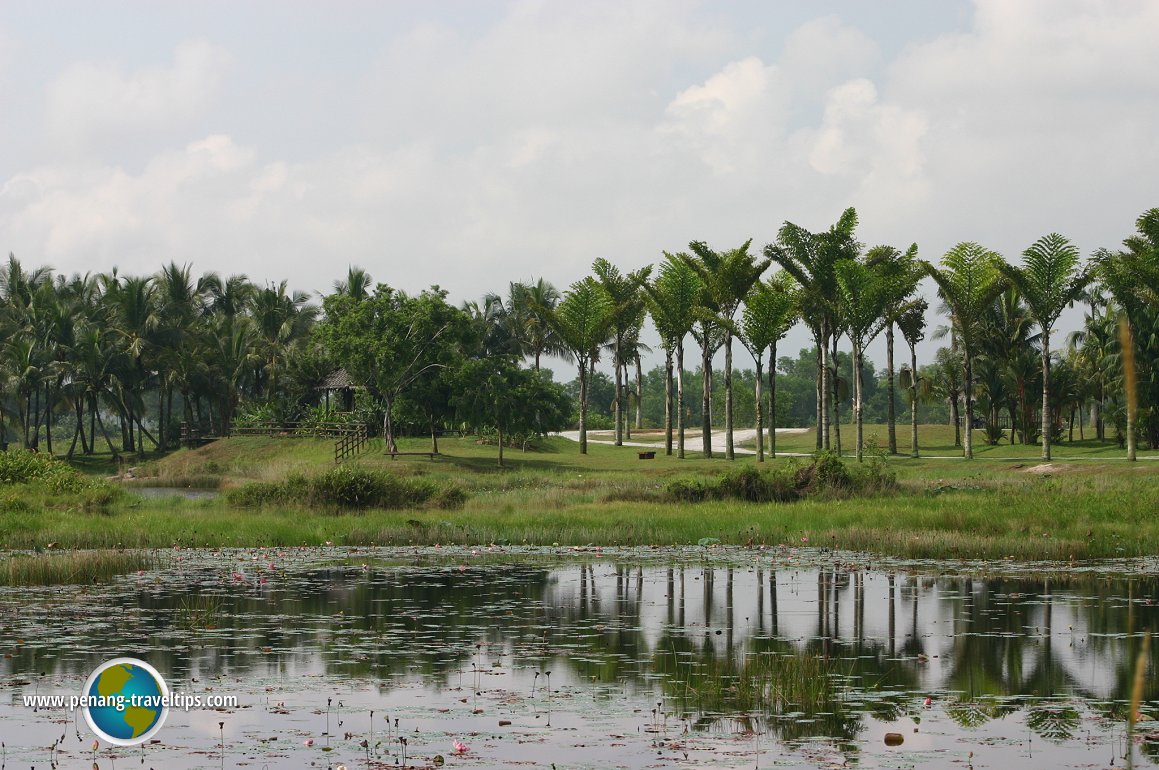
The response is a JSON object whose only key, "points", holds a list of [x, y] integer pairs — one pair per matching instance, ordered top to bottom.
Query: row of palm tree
{"points": [[999, 314], [95, 345], [131, 346]]}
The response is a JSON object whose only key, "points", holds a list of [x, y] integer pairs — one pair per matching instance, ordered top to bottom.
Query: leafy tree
{"points": [[390, 340], [495, 393]]}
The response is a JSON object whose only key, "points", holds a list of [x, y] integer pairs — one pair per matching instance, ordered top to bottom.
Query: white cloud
{"points": [[94, 101]]}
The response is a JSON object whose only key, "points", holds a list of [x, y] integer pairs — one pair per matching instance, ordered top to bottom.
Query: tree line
{"points": [[122, 361]]}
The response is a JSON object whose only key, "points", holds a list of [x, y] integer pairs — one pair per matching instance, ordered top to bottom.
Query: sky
{"points": [[469, 144]]}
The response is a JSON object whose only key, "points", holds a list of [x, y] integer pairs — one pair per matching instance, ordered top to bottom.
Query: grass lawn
{"points": [[992, 507]]}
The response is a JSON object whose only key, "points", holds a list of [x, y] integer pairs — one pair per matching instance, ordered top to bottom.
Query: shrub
{"points": [[826, 474], [54, 476], [349, 487]]}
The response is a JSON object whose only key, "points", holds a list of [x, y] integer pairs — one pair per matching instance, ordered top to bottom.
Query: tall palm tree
{"points": [[811, 259], [902, 272], [727, 276], [1132, 277], [1050, 279], [968, 282], [624, 290], [672, 301], [769, 312], [582, 321], [912, 324], [1095, 343]]}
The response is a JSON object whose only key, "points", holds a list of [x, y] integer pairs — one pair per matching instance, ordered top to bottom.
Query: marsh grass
{"points": [[987, 508], [71, 567]]}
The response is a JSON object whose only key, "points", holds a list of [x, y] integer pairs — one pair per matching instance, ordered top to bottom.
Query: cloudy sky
{"points": [[472, 143]]}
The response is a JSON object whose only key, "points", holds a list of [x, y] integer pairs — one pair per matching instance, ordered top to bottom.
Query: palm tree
{"points": [[811, 258], [902, 272], [727, 276], [1132, 278], [1050, 279], [968, 282], [356, 285], [867, 291], [672, 300], [770, 311], [627, 313], [581, 321], [912, 324], [536, 334], [1095, 345]]}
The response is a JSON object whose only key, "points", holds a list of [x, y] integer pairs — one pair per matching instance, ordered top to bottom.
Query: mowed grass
{"points": [[938, 441], [992, 507]]}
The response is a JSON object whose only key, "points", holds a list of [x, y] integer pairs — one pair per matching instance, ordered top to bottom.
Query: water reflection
{"points": [[758, 646]]}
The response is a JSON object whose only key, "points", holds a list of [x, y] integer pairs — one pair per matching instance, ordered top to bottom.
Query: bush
{"points": [[826, 474], [54, 476], [349, 487]]}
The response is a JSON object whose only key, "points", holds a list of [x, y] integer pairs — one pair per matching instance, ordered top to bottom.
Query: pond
{"points": [[572, 658]]}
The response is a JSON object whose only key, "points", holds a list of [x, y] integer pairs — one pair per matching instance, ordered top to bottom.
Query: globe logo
{"points": [[125, 701]]}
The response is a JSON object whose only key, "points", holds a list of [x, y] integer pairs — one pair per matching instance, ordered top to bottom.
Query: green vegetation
{"points": [[348, 487], [991, 508], [70, 567]]}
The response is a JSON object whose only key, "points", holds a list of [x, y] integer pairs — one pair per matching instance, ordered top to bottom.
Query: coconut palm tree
{"points": [[811, 259], [902, 272], [727, 276], [1050, 279], [968, 282], [356, 285], [672, 301], [769, 312], [627, 314], [582, 321], [912, 324]]}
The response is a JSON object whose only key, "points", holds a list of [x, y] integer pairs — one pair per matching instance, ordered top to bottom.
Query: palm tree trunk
{"points": [[1127, 345], [760, 357], [824, 385], [835, 390], [640, 394], [820, 396], [706, 397], [969, 398], [680, 399], [773, 400], [857, 400], [619, 402], [668, 402], [913, 404], [627, 405], [890, 414], [583, 416], [48, 417], [1046, 421], [499, 428], [76, 431], [104, 432], [434, 436], [729, 451]]}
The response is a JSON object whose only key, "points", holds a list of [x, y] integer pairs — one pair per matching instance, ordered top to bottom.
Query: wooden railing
{"points": [[352, 443]]}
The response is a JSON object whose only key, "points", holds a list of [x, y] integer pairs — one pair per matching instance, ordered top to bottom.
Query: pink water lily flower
{"points": [[460, 747]]}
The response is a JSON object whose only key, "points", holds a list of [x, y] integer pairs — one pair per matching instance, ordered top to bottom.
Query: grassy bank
{"points": [[991, 507]]}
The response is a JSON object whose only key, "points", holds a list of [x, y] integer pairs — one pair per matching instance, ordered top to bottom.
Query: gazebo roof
{"points": [[339, 379]]}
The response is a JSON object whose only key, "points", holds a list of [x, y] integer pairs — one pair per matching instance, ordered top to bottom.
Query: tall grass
{"points": [[71, 567]]}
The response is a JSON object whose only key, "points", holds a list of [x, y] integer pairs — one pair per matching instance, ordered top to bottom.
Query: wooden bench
{"points": [[431, 455], [647, 455]]}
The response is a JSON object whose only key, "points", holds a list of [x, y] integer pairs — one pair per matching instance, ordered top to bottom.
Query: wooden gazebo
{"points": [[339, 383]]}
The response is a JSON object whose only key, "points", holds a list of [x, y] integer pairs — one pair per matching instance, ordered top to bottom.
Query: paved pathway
{"points": [[693, 444]]}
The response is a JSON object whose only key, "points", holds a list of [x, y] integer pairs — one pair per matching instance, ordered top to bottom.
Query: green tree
{"points": [[727, 277], [1050, 279], [968, 282], [624, 291], [672, 301], [769, 312], [582, 321], [912, 324]]}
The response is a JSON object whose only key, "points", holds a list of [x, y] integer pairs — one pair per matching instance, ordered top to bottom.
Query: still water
{"points": [[640, 658]]}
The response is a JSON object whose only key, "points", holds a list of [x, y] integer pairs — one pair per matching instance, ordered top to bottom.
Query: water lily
{"points": [[308, 742], [460, 747]]}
